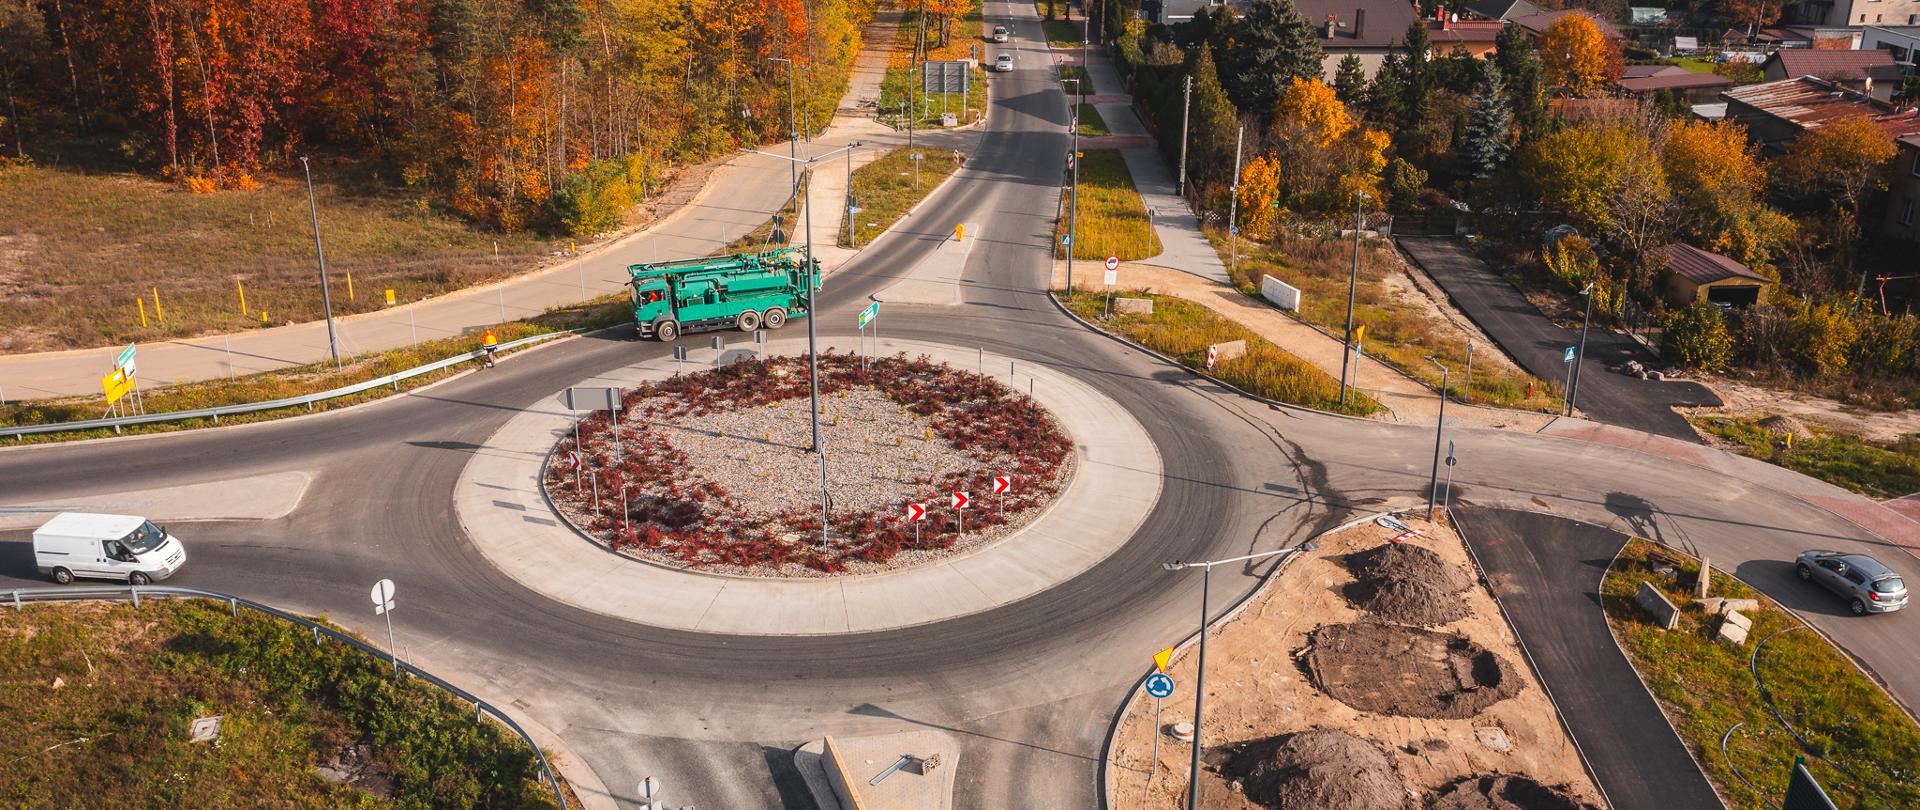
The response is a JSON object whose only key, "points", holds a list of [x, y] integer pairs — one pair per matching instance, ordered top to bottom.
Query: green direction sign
{"points": [[867, 315], [126, 356]]}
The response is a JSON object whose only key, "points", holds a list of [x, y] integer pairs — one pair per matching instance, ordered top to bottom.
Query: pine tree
{"points": [[1273, 45], [1513, 54], [1350, 81], [1416, 81], [1386, 98], [1215, 120], [1485, 150]]}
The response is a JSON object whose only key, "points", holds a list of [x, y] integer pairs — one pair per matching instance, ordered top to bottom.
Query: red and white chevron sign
{"points": [[1212, 356], [1001, 484], [960, 500], [916, 511]]}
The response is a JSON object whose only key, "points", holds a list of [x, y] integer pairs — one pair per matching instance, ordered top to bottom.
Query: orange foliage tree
{"points": [[1576, 55]]}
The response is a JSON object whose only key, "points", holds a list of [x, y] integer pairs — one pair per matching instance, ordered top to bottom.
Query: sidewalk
{"points": [[739, 196]]}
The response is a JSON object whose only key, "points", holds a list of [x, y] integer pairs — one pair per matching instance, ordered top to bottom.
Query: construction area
{"points": [[1372, 671]]}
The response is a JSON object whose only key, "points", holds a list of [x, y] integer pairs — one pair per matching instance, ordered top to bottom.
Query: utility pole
{"points": [[1186, 107], [1073, 196], [1233, 209], [1353, 280], [326, 295], [1580, 357], [1433, 484]]}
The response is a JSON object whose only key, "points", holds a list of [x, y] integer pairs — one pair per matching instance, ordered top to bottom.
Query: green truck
{"points": [[745, 292]]}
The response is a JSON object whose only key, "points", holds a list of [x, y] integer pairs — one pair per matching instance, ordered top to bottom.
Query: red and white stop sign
{"points": [[1001, 484], [960, 500], [916, 511]]}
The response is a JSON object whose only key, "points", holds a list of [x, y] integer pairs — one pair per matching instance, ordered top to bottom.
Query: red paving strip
{"points": [[1630, 439], [1909, 506], [1896, 528]]}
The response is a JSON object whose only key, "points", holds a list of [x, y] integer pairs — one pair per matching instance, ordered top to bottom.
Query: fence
{"points": [[21, 431], [481, 708]]}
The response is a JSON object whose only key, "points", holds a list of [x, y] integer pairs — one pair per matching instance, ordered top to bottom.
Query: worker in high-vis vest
{"points": [[490, 343]]}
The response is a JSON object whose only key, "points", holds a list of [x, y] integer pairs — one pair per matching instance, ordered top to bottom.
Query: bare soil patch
{"points": [[1749, 401], [714, 470], [1407, 584], [1394, 669], [1257, 693], [1324, 767], [1505, 792]]}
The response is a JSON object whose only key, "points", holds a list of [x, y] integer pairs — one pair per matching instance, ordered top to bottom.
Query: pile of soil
{"points": [[1785, 424], [1409, 584], [1407, 671], [1323, 767], [1504, 792]]}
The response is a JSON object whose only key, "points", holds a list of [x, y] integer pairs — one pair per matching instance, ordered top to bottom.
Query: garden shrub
{"points": [[1697, 337]]}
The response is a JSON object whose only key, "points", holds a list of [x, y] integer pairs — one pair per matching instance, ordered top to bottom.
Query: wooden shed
{"points": [[1692, 274]]}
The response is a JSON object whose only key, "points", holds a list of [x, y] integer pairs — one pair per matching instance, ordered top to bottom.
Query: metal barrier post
{"points": [[136, 596]]}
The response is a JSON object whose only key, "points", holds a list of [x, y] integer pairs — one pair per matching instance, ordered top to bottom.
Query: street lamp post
{"points": [[793, 127], [1073, 198], [1353, 280], [326, 295], [813, 315], [1580, 355], [1439, 426], [1200, 670]]}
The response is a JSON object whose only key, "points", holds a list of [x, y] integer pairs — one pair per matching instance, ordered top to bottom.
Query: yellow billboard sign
{"points": [[116, 385]]}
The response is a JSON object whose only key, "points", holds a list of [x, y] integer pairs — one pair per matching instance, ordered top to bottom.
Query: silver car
{"points": [[1000, 33], [1004, 64], [1868, 585]]}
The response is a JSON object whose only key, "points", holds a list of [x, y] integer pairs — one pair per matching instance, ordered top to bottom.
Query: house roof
{"points": [[1502, 9], [1537, 23], [1383, 25], [1464, 32], [1838, 65], [1668, 77], [1808, 102], [1909, 140], [1702, 267]]}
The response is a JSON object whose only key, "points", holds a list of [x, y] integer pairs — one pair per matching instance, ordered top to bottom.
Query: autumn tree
{"points": [[1752, 13], [1272, 45], [1576, 55], [1520, 68], [1485, 148], [1325, 157], [1844, 160], [1608, 179], [1717, 181], [1259, 197], [1697, 337]]}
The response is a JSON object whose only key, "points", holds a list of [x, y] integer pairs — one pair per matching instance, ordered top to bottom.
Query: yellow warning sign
{"points": [[116, 385], [1161, 658]]}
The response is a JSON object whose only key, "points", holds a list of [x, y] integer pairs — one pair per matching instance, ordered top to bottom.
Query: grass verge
{"points": [[963, 42], [1075, 81], [1091, 124], [885, 188], [1113, 220], [77, 248], [1183, 330], [1399, 334], [298, 380], [1878, 471], [98, 700], [1862, 748]]}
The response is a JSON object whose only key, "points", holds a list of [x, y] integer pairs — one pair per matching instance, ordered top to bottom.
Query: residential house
{"points": [[1501, 10], [1854, 12], [1537, 24], [1369, 29], [1813, 36], [1478, 38], [1902, 42], [1869, 71], [1696, 88], [1775, 113], [1903, 193], [1694, 275]]}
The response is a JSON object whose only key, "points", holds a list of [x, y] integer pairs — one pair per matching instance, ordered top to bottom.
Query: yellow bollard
{"points": [[959, 232], [349, 285], [243, 296], [389, 298], [142, 303], [158, 314], [263, 316], [929, 434], [1789, 440]]}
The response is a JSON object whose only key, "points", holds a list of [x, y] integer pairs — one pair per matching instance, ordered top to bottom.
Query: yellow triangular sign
{"points": [[1161, 658]]}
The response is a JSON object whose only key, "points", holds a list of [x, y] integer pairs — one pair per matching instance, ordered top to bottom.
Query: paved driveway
{"points": [[1537, 344], [1546, 571]]}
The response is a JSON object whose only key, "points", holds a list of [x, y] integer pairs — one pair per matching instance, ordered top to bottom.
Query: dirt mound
{"points": [[1785, 424], [1407, 584], [1407, 671], [1323, 767], [1504, 792]]}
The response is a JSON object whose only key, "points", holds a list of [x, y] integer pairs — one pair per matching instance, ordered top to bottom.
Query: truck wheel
{"points": [[776, 318], [748, 321], [666, 329], [63, 576], [139, 578]]}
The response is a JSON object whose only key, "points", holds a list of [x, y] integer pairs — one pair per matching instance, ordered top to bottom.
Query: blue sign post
{"points": [[1568, 357], [1566, 404], [1159, 685]]}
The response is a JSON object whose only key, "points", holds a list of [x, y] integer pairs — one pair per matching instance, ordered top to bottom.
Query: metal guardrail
{"points": [[21, 431], [234, 603]]}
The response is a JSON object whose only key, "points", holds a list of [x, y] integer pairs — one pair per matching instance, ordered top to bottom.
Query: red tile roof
{"points": [[1537, 23], [1464, 32], [1840, 65], [1682, 80], [1808, 103], [1702, 267]]}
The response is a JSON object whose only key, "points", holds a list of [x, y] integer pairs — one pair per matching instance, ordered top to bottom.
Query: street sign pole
{"points": [[1566, 393], [383, 604]]}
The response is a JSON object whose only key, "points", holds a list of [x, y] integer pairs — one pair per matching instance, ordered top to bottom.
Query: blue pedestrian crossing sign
{"points": [[1568, 357], [1159, 685]]}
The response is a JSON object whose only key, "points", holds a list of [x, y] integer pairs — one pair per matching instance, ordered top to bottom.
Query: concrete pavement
{"points": [[1115, 484], [255, 497]]}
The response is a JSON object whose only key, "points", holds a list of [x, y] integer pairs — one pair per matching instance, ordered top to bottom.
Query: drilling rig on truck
{"points": [[745, 291]]}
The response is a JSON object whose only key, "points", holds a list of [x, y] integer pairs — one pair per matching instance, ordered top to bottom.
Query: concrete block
{"points": [[1282, 294], [1133, 306], [1229, 350], [1704, 580], [1655, 603], [1709, 605], [1748, 605], [1738, 618], [1733, 633], [840, 778]]}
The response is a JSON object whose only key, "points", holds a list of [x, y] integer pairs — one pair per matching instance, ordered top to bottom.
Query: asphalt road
{"points": [[1538, 345], [1546, 571], [1028, 688]]}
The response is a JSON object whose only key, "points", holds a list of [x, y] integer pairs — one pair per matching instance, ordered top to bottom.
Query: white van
{"points": [[118, 547]]}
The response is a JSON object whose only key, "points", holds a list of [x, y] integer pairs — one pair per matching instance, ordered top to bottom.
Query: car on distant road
{"points": [[1000, 33], [1004, 64], [1867, 584]]}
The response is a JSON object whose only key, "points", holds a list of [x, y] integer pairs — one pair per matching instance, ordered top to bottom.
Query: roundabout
{"points": [[523, 510]]}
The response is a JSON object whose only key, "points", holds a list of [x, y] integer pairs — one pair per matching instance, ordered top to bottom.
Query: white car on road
{"points": [[1004, 64]]}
